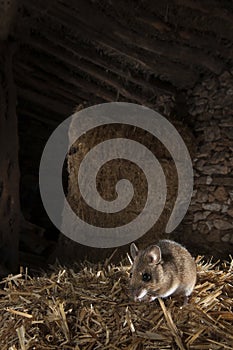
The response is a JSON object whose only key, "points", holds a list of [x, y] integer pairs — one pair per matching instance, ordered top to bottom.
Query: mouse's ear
{"points": [[133, 250], [154, 254]]}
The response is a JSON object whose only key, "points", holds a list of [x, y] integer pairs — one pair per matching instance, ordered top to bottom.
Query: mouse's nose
{"points": [[133, 293]]}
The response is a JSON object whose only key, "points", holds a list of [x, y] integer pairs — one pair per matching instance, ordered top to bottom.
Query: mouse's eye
{"points": [[130, 275], [146, 277]]}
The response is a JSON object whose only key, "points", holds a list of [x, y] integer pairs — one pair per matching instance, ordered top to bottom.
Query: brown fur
{"points": [[174, 272]]}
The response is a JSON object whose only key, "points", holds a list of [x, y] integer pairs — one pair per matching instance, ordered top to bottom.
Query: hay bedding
{"points": [[90, 309]]}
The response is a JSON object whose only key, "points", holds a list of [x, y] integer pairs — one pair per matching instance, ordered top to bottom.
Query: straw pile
{"points": [[91, 309]]}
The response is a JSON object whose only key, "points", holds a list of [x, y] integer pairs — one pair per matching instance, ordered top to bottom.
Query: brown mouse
{"points": [[161, 270]]}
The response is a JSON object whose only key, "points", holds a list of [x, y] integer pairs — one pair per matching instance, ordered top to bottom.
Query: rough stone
{"points": [[225, 78], [209, 84], [227, 100], [200, 101], [217, 108], [197, 110], [204, 116], [227, 122], [212, 133], [229, 133], [207, 147], [219, 147], [200, 155], [219, 157], [200, 163], [215, 169], [201, 180], [209, 180], [223, 181], [211, 188], [194, 193], [221, 194], [201, 197], [211, 198], [195, 207], [212, 207], [224, 208], [230, 212], [200, 215], [214, 216], [209, 224], [222, 225], [194, 226], [203, 228], [214, 236], [226, 237]]}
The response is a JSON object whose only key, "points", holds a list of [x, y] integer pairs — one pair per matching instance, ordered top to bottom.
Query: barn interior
{"points": [[175, 57]]}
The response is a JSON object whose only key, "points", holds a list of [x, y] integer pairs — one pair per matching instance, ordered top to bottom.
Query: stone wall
{"points": [[210, 216]]}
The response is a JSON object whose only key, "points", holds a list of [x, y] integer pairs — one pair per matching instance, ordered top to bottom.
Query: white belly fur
{"points": [[170, 291]]}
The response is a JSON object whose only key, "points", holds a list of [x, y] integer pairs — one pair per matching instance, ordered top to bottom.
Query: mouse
{"points": [[161, 270]]}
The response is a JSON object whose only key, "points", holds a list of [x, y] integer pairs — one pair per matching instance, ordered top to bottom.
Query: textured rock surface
{"points": [[212, 105]]}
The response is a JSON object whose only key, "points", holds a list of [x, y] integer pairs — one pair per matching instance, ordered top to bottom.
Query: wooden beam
{"points": [[179, 75], [9, 167]]}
